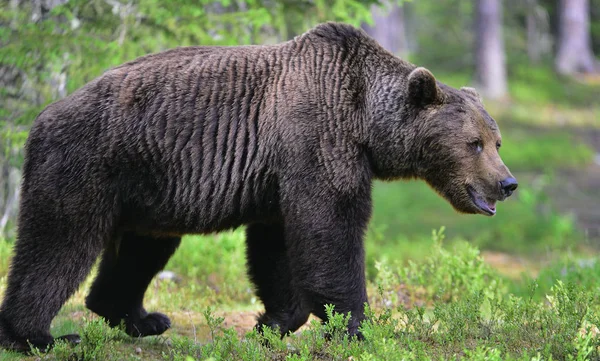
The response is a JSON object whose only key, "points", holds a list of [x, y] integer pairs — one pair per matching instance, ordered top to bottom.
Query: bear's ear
{"points": [[422, 88], [473, 92]]}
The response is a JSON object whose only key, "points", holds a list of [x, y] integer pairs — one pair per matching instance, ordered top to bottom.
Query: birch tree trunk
{"points": [[533, 44], [574, 48], [490, 63]]}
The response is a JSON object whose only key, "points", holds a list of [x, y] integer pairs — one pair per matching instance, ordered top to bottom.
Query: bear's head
{"points": [[444, 136], [459, 144]]}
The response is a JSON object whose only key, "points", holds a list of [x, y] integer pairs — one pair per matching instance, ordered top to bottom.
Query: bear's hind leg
{"points": [[52, 256], [269, 270], [125, 272]]}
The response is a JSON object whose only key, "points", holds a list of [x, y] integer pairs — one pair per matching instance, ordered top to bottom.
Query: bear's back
{"points": [[191, 135]]}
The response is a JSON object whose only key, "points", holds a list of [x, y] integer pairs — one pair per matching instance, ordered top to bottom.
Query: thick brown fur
{"points": [[285, 139]]}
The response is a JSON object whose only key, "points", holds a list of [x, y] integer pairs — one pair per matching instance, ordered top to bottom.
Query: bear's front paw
{"points": [[152, 324]]}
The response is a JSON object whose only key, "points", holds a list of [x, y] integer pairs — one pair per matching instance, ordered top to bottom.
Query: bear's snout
{"points": [[508, 186]]}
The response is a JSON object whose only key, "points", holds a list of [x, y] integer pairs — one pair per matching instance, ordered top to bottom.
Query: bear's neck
{"points": [[392, 133]]}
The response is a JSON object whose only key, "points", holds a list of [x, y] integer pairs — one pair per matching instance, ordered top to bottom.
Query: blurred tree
{"points": [[595, 25], [389, 27], [443, 34], [539, 40], [574, 48], [490, 63]]}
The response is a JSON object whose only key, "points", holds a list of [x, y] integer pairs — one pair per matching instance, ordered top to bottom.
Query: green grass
{"points": [[535, 85], [540, 85], [527, 150], [526, 223], [215, 265], [570, 269], [451, 305]]}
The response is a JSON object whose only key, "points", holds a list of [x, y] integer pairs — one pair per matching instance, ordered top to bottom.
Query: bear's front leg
{"points": [[324, 230]]}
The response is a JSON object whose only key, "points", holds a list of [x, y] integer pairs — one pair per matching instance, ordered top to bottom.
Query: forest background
{"points": [[533, 62]]}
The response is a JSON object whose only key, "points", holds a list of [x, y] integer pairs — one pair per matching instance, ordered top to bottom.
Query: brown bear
{"points": [[285, 139]]}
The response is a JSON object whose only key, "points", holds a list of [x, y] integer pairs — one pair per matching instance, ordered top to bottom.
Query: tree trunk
{"points": [[389, 28], [539, 33], [533, 44], [574, 49], [490, 60], [18, 88]]}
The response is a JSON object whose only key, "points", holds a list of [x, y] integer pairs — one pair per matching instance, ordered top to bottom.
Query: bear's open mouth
{"points": [[486, 205]]}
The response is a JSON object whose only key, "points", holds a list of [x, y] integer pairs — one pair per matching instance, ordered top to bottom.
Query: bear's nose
{"points": [[508, 186]]}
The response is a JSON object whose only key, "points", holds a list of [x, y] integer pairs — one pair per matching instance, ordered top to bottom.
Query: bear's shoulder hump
{"points": [[337, 32]]}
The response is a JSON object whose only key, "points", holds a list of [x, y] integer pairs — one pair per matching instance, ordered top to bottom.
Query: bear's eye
{"points": [[498, 145], [477, 146]]}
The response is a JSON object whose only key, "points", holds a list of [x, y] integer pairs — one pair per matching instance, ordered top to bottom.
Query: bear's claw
{"points": [[154, 323]]}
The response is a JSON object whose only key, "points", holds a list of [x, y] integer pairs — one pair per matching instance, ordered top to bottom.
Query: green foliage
{"points": [[448, 23], [83, 38], [540, 85], [543, 151], [526, 222], [580, 271], [446, 275], [449, 306], [483, 319], [214, 323], [336, 325], [95, 338], [98, 342], [224, 345]]}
